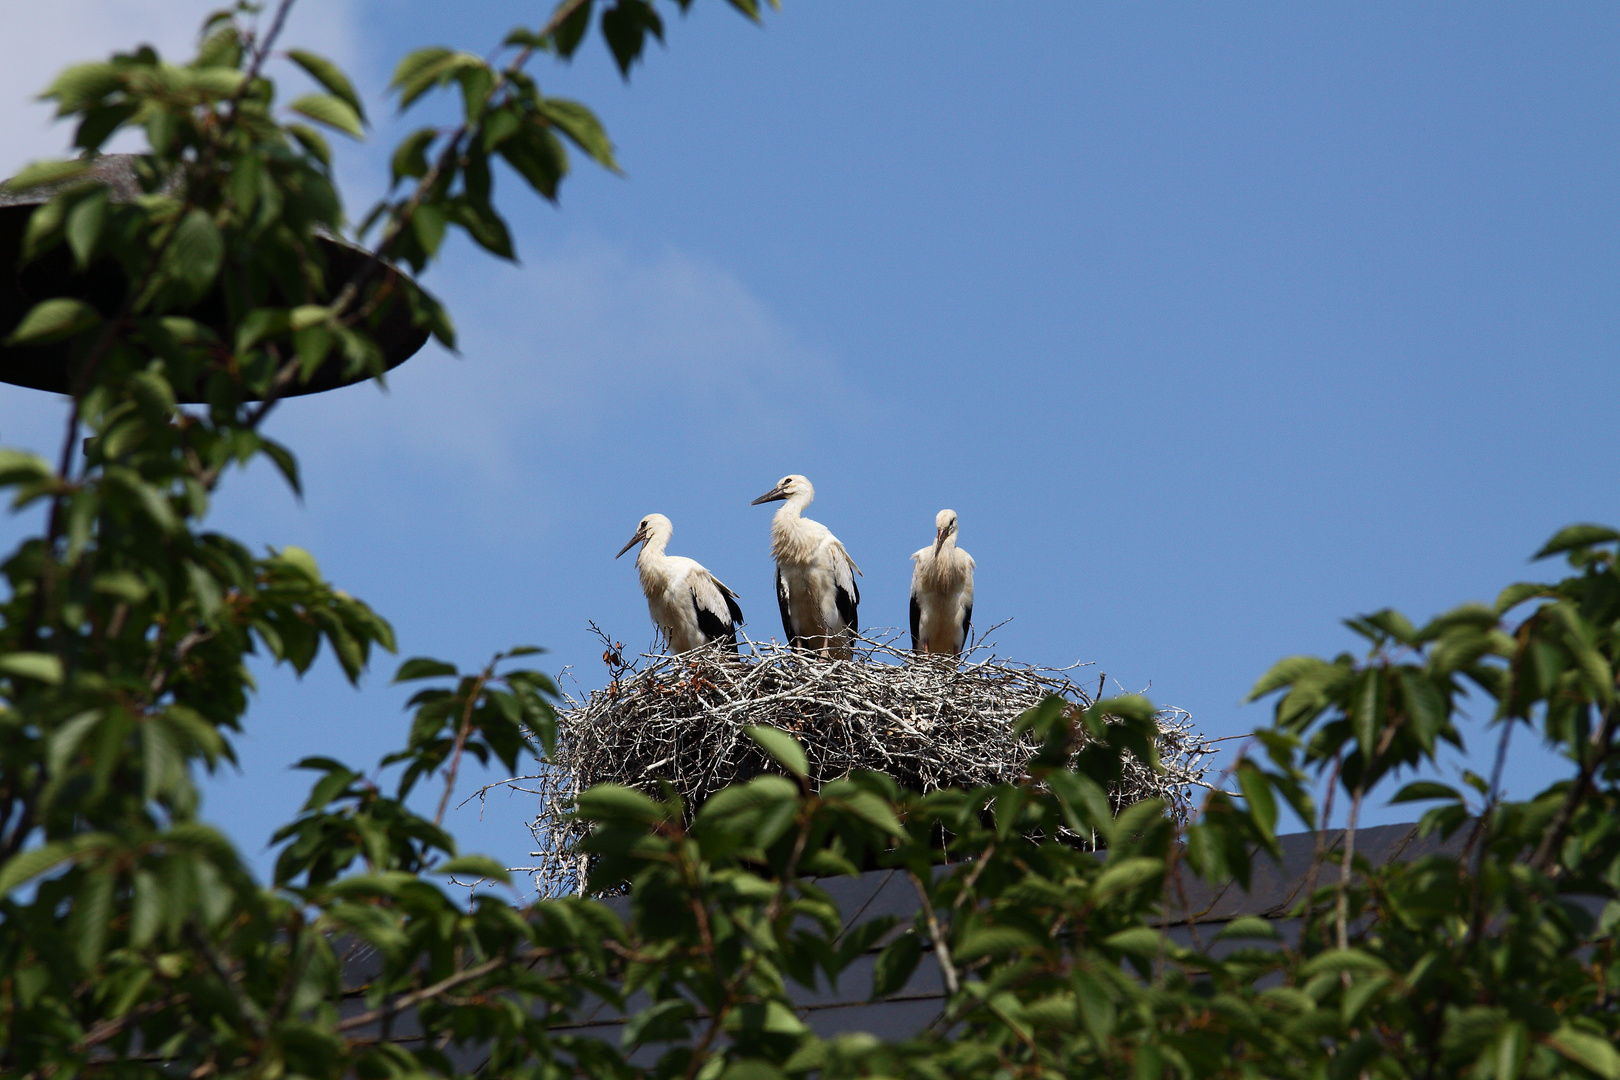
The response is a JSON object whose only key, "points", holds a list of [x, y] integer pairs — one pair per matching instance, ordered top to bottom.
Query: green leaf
{"points": [[625, 27], [571, 31], [414, 63], [419, 70], [330, 76], [477, 81], [330, 110], [499, 125], [582, 128], [313, 142], [538, 157], [410, 158], [40, 173], [427, 223], [84, 225], [486, 227], [198, 250], [53, 320], [284, 462], [21, 467], [150, 499], [1572, 537], [300, 560], [1517, 593], [1385, 624], [1578, 638], [521, 650], [43, 667], [423, 667], [1285, 672], [1126, 707], [1367, 715], [1040, 718], [64, 741], [784, 748], [335, 783], [1256, 787], [1421, 790], [762, 791], [606, 802], [873, 810], [28, 865], [481, 866], [1123, 874], [92, 914], [1249, 927], [995, 940], [1137, 941], [1336, 960], [895, 963], [1360, 993], [1056, 1010], [1097, 1010], [772, 1017], [664, 1021], [1590, 1051], [755, 1068]]}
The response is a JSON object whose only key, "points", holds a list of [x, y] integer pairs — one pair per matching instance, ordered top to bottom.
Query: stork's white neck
{"points": [[795, 504], [793, 538], [651, 562], [944, 568]]}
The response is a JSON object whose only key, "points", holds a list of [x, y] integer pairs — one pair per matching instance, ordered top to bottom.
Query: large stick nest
{"points": [[929, 722]]}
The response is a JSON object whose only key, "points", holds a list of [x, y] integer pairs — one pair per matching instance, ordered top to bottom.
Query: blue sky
{"points": [[1214, 324]]}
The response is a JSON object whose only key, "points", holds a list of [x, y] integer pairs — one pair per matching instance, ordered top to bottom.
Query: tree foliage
{"points": [[134, 941]]}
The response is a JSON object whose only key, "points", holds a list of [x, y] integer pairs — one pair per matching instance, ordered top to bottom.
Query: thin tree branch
{"points": [[461, 741], [1602, 747], [1342, 904], [942, 948], [426, 993], [102, 1030]]}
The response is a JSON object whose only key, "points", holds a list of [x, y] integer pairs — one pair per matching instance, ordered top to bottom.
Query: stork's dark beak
{"points": [[772, 495], [641, 534], [939, 539]]}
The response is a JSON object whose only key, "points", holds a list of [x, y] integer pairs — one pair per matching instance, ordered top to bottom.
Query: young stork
{"points": [[815, 577], [941, 592], [687, 603]]}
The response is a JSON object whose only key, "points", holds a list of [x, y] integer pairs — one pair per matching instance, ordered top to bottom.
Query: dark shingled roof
{"points": [[1272, 892]]}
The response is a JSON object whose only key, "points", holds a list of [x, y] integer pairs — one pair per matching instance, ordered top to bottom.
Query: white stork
{"points": [[815, 577], [941, 592], [690, 605]]}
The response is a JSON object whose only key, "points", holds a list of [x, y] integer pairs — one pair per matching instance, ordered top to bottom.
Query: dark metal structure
{"points": [[102, 285]]}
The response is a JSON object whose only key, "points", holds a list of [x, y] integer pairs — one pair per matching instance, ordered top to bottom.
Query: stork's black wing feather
{"points": [[846, 593], [846, 607], [787, 616], [916, 621], [967, 624], [714, 628]]}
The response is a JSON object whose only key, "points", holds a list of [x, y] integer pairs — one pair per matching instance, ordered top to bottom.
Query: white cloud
{"points": [[38, 39], [570, 350]]}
